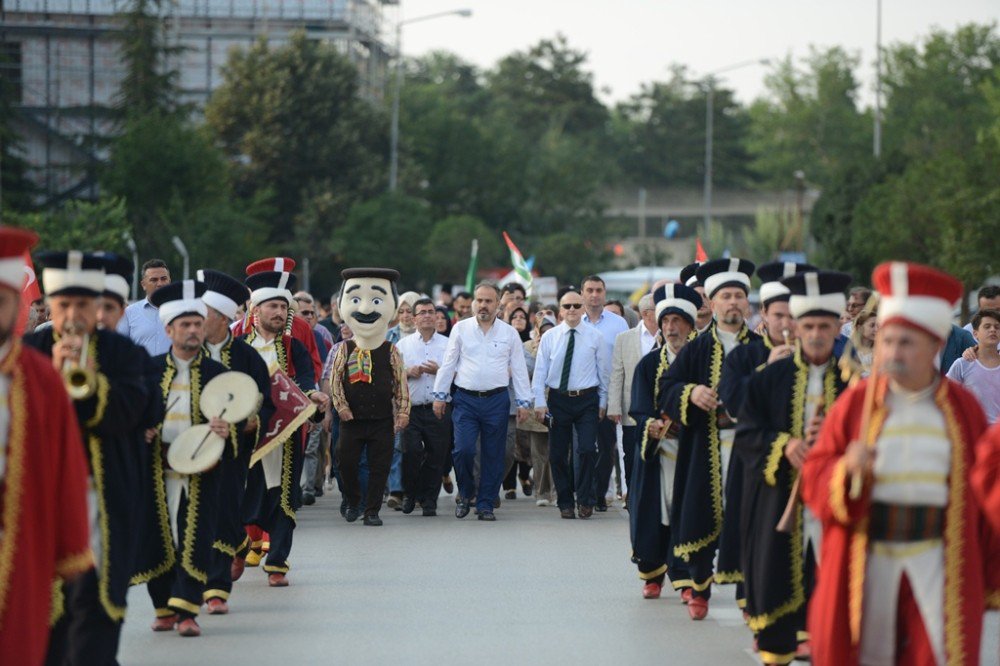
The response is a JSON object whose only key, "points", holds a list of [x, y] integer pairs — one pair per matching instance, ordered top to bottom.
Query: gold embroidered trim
{"points": [[103, 387], [685, 402], [645, 438], [287, 453], [774, 458], [912, 477], [14, 480], [838, 492], [190, 529], [954, 535], [224, 548], [890, 549], [74, 564], [272, 568], [656, 573], [728, 577], [856, 578], [682, 583], [700, 587], [215, 594], [993, 599], [58, 602], [177, 602], [163, 612], [116, 613], [776, 658]]}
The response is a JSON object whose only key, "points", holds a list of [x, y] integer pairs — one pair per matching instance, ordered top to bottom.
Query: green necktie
{"points": [[567, 361]]}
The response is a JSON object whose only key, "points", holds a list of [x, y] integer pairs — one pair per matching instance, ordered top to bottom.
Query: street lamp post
{"points": [[708, 82], [398, 84], [130, 244], [182, 250]]}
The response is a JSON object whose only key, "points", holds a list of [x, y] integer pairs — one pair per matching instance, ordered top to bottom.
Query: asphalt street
{"points": [[528, 589]]}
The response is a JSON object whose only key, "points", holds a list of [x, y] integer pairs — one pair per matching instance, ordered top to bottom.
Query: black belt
{"points": [[482, 394], [575, 394], [426, 405], [898, 523]]}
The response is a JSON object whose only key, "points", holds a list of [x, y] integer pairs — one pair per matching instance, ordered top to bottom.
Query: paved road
{"points": [[528, 589]]}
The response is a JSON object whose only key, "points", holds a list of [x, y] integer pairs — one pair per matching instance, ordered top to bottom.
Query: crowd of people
{"points": [[829, 455]]}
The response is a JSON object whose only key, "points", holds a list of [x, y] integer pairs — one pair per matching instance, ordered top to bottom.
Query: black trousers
{"points": [[569, 413], [376, 437], [426, 441], [607, 441], [279, 527], [176, 591], [85, 634]]}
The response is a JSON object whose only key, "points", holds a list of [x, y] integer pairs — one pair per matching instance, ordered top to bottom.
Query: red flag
{"points": [[699, 252], [29, 294]]}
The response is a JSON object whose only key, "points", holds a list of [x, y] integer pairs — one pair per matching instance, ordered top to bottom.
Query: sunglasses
{"points": [[572, 306], [308, 313]]}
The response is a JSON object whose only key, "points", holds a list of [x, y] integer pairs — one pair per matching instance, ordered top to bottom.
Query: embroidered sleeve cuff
{"points": [[439, 395], [685, 402], [648, 445], [774, 458], [74, 564]]}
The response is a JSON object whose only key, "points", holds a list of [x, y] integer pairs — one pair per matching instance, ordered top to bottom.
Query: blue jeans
{"points": [[483, 420], [396, 469]]}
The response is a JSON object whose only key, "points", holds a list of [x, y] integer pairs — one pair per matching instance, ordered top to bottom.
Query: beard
{"points": [[732, 318], [273, 326]]}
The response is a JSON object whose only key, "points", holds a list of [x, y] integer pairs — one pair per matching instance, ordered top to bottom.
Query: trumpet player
{"points": [[103, 374], [778, 422], [185, 507]]}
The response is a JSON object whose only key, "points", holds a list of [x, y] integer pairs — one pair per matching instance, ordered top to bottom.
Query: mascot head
{"points": [[368, 301]]}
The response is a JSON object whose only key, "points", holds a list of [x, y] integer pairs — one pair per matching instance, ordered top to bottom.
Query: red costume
{"points": [[986, 479], [44, 503], [912, 554]]}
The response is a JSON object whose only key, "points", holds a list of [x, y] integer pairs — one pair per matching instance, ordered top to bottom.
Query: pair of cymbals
{"points": [[232, 396]]}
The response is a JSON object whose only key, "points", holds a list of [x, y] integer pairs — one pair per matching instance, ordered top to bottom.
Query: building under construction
{"points": [[62, 58]]}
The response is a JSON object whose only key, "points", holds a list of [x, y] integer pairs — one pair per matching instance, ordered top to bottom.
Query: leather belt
{"points": [[482, 394], [575, 394], [426, 405], [899, 523]]}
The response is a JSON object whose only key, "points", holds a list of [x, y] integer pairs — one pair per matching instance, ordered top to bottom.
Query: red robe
{"points": [[986, 477], [44, 500], [972, 550]]}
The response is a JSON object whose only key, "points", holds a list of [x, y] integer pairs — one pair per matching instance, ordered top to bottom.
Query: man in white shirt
{"points": [[630, 347], [483, 357], [571, 377], [426, 439]]}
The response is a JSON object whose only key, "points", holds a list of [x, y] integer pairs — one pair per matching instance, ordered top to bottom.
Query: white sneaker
{"points": [[542, 502]]}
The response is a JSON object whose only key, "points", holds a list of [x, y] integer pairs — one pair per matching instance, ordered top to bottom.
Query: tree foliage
{"points": [[83, 225]]}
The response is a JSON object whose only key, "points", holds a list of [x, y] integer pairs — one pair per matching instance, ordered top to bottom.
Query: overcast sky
{"points": [[633, 41]]}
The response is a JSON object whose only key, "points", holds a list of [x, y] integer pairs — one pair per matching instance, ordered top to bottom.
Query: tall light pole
{"points": [[708, 82], [398, 84], [130, 244], [182, 250]]}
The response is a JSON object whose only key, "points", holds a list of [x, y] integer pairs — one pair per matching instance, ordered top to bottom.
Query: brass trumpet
{"points": [[80, 380]]}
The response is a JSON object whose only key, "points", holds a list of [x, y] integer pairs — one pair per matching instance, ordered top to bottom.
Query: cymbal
{"points": [[231, 395], [195, 450]]}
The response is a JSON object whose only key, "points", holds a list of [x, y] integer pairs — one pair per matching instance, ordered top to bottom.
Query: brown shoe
{"points": [[449, 486], [586, 511], [568, 514], [236, 568], [277, 580], [217, 606], [164, 623], [188, 627]]}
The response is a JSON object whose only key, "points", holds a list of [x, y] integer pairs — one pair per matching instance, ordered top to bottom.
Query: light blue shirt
{"points": [[141, 323], [609, 325], [590, 366]]}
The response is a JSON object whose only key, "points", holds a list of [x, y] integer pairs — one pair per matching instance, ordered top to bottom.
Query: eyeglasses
{"points": [[572, 306], [308, 313]]}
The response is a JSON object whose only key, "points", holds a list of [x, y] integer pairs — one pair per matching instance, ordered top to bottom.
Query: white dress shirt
{"points": [[646, 340], [417, 351], [479, 361], [590, 365]]}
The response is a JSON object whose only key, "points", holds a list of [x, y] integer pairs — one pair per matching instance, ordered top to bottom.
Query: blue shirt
{"points": [[141, 323], [609, 325], [590, 366]]}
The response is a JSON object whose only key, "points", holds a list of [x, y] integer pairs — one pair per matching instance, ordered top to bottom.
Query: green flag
{"points": [[470, 277]]}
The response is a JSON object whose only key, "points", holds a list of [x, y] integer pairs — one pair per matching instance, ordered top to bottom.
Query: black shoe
{"points": [[319, 491], [510, 494], [308, 499], [496, 503], [409, 504], [343, 508], [601, 508], [462, 510], [430, 511], [351, 514], [568, 514], [487, 516], [373, 521]]}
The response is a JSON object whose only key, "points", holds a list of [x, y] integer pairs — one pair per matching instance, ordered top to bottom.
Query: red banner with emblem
{"points": [[292, 409]]}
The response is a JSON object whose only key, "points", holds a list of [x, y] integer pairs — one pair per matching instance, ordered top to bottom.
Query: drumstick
{"points": [[174, 403], [205, 438], [785, 523]]}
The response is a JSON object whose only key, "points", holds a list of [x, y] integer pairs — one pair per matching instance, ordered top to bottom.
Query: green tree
{"points": [[150, 85], [290, 117], [810, 120], [659, 135], [89, 226], [389, 231], [449, 243], [569, 257]]}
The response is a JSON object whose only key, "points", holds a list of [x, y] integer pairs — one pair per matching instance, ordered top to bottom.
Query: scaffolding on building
{"points": [[61, 57]]}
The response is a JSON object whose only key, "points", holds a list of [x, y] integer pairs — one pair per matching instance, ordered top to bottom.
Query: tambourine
{"points": [[195, 450]]}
